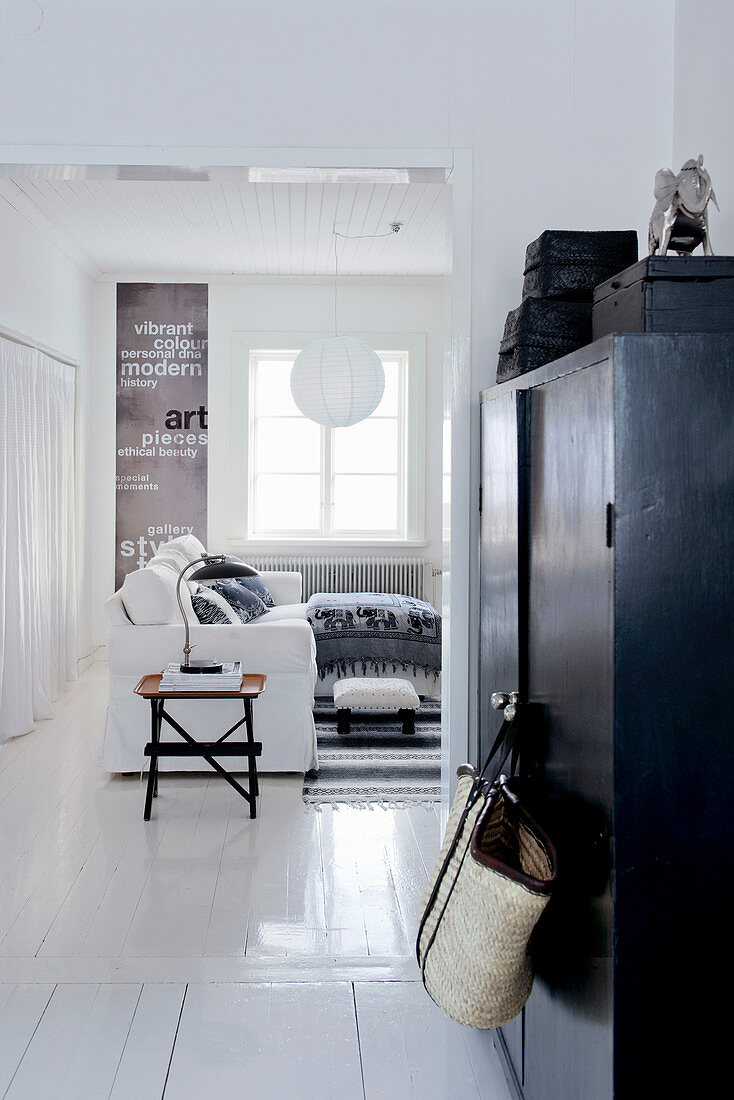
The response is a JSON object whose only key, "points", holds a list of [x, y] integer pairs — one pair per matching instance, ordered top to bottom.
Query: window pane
{"points": [[273, 389], [389, 404], [289, 445], [370, 447], [287, 502], [365, 503]]}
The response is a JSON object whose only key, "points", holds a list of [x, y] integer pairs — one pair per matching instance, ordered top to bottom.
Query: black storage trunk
{"points": [[566, 264], [668, 294], [540, 331]]}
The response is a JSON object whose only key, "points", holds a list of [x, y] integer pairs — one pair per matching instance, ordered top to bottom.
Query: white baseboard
{"points": [[97, 653]]}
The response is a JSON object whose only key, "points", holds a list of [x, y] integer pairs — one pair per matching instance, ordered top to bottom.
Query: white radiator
{"points": [[407, 576]]}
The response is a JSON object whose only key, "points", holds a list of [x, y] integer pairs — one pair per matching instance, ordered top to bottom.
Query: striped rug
{"points": [[376, 762]]}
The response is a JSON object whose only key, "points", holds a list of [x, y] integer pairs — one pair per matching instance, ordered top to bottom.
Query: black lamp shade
{"points": [[221, 570]]}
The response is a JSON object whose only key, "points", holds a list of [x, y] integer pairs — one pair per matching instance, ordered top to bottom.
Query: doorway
{"points": [[451, 167]]}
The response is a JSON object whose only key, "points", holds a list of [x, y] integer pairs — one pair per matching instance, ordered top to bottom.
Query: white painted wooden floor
{"points": [[205, 954]]}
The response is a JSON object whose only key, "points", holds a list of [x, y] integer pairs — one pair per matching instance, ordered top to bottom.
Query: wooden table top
{"points": [[253, 684]]}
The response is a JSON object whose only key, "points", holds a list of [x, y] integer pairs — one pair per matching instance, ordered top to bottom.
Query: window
{"points": [[307, 482]]}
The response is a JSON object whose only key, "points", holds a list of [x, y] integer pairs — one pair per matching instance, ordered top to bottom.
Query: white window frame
{"points": [[410, 349]]}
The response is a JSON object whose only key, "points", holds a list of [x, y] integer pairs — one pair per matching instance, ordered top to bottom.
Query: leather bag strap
{"points": [[508, 733]]}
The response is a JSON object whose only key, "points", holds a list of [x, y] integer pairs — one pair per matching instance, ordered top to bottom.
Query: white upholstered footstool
{"points": [[373, 693]]}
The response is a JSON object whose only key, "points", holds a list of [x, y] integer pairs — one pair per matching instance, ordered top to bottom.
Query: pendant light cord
{"points": [[349, 237], [370, 237], [336, 277]]}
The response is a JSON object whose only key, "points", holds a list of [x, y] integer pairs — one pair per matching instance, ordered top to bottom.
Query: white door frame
{"points": [[458, 551]]}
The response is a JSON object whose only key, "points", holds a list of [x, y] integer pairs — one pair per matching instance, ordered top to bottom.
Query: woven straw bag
{"points": [[492, 881]]}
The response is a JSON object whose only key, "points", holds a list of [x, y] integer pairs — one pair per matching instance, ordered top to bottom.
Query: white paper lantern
{"points": [[337, 381]]}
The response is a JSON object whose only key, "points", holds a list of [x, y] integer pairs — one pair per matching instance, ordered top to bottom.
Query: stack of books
{"points": [[229, 679]]}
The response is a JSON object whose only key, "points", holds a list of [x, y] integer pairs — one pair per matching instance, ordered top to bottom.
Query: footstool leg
{"points": [[408, 717], [342, 720]]}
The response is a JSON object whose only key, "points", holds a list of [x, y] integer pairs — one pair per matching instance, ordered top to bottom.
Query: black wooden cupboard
{"points": [[607, 566]]}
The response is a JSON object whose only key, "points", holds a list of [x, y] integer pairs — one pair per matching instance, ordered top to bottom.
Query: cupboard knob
{"points": [[502, 699]]}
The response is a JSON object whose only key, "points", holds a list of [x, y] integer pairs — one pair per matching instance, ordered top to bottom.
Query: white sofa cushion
{"points": [[188, 545], [178, 552], [169, 557], [285, 586], [149, 597], [284, 611]]}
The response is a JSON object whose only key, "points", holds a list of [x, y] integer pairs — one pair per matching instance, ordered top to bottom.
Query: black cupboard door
{"points": [[502, 567], [502, 571], [570, 655]]}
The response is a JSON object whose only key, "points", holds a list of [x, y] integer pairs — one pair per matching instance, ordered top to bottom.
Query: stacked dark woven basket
{"points": [[561, 270]]}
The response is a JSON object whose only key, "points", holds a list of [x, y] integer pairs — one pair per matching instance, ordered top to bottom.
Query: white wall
{"points": [[566, 103], [703, 120], [42, 293], [47, 298], [269, 305]]}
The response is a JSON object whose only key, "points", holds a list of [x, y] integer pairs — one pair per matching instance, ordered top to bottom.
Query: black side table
{"points": [[253, 685]]}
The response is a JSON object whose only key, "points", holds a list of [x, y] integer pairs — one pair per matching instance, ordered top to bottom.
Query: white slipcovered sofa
{"points": [[145, 632]]}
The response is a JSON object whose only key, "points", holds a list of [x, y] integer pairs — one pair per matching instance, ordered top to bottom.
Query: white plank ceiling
{"points": [[233, 227]]}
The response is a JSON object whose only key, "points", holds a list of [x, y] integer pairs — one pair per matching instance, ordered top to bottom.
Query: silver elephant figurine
{"points": [[679, 219]]}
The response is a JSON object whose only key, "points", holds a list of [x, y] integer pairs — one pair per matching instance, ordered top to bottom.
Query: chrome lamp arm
{"points": [[210, 559]]}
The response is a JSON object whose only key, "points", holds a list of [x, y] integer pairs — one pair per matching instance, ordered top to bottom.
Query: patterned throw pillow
{"points": [[253, 584], [258, 586], [244, 603], [211, 608]]}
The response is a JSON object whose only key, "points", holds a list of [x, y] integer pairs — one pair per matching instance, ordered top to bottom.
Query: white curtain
{"points": [[37, 521]]}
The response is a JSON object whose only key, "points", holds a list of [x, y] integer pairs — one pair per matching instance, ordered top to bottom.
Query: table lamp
{"points": [[216, 568]]}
